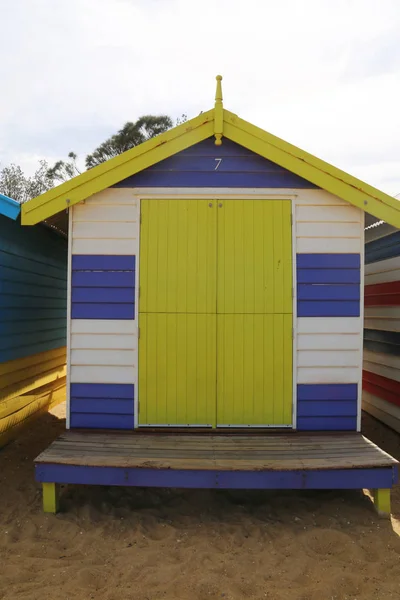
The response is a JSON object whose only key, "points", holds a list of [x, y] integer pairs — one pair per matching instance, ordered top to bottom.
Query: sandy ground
{"points": [[121, 544]]}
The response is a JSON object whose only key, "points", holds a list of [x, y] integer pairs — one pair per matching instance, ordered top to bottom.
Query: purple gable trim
{"points": [[208, 165]]}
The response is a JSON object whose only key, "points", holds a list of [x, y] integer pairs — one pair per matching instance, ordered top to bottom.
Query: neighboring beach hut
{"points": [[215, 287], [33, 291], [381, 375]]}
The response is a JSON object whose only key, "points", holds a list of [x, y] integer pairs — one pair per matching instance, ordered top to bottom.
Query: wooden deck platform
{"points": [[266, 461]]}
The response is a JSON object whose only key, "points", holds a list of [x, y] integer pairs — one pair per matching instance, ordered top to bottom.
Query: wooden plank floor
{"points": [[225, 452]]}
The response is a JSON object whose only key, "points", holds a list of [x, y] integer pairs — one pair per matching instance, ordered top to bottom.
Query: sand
{"points": [[121, 544]]}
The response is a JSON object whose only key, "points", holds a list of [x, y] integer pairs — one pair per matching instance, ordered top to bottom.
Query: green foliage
{"points": [[131, 135]]}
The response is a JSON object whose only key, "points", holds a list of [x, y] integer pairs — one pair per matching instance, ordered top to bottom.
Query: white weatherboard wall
{"points": [[326, 349], [329, 349], [105, 351]]}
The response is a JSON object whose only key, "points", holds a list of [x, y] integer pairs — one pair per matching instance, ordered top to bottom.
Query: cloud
{"points": [[322, 75]]}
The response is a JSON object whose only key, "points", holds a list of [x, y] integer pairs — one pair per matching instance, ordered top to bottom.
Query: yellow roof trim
{"points": [[221, 123], [107, 174]]}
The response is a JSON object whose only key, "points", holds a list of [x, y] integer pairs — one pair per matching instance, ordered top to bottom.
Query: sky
{"points": [[323, 75]]}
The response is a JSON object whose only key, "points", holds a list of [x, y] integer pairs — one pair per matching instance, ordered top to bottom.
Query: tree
{"points": [[131, 135], [64, 170], [15, 185]]}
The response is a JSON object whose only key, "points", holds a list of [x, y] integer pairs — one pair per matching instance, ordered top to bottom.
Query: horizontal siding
{"points": [[208, 165], [107, 223], [383, 248], [382, 271], [328, 285], [33, 291], [383, 294], [92, 295], [346, 325], [103, 338], [328, 341], [328, 350], [107, 357], [381, 367], [103, 374], [102, 406], [327, 407], [381, 410]]}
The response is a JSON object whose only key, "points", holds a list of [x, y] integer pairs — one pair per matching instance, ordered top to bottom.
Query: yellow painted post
{"points": [[218, 113], [50, 498], [382, 502]]}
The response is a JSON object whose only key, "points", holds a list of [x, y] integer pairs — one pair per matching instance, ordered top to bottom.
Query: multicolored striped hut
{"points": [[215, 314]]}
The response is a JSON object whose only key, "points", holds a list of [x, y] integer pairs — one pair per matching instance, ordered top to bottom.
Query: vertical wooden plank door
{"points": [[177, 313], [215, 313], [254, 313]]}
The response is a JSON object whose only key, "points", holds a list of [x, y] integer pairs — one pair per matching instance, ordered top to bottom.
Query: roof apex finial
{"points": [[218, 92], [218, 113]]}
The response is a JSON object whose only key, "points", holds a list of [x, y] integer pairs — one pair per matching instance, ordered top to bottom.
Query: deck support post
{"points": [[50, 498], [382, 502]]}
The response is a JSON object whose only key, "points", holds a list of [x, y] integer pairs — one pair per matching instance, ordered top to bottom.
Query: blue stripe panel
{"points": [[207, 165], [386, 247], [328, 261], [83, 262], [319, 276], [103, 279], [328, 285], [103, 287], [328, 292], [108, 294], [328, 309], [102, 311], [103, 390], [327, 391], [102, 405], [327, 407], [330, 408], [101, 421], [327, 423], [350, 479]]}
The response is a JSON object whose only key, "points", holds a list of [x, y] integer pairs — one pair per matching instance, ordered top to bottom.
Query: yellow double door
{"points": [[215, 313]]}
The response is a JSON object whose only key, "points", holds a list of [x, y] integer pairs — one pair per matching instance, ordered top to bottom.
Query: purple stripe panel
{"points": [[328, 261], [83, 262], [321, 277], [117, 279], [328, 292], [103, 295], [307, 308], [102, 311], [103, 390], [329, 391], [109, 406], [330, 408], [101, 421], [327, 423], [296, 480]]}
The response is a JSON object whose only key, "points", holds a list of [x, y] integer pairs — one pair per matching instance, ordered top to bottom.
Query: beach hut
{"points": [[33, 298], [215, 316], [381, 374]]}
